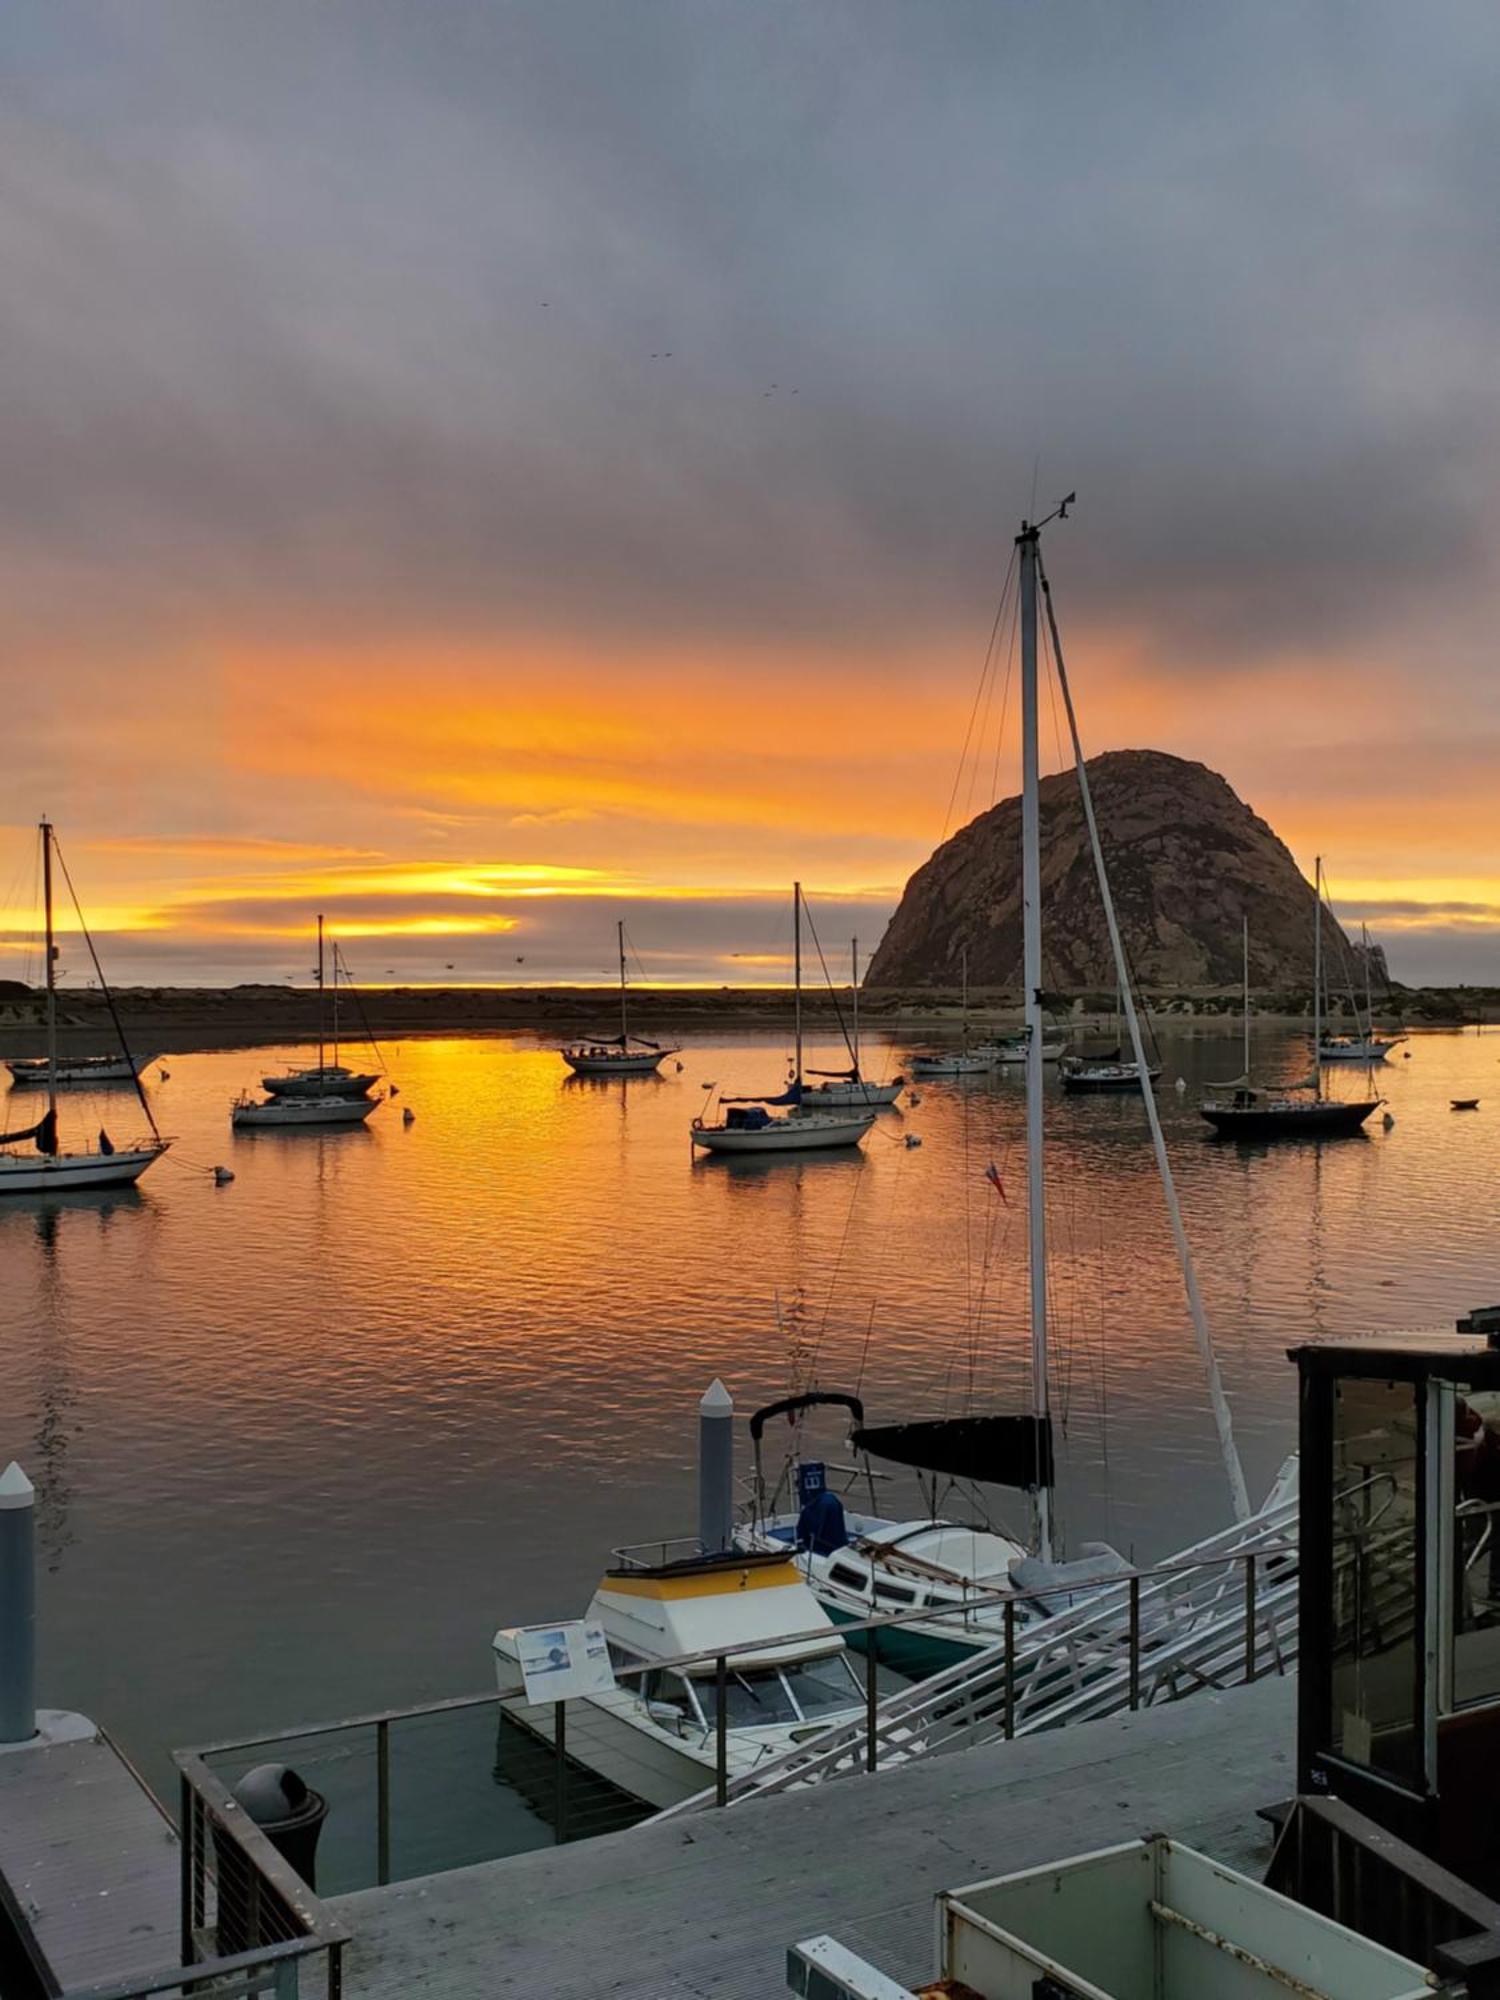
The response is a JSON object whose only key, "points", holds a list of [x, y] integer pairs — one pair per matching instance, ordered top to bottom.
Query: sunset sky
{"points": [[480, 469]]}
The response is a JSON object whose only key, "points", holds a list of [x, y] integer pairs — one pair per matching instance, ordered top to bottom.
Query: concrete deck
{"points": [[88, 1865], [708, 1905]]}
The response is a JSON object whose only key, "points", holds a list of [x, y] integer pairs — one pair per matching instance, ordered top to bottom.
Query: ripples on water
{"points": [[302, 1441]]}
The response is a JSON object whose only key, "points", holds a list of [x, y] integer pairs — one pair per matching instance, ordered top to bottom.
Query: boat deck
{"points": [[88, 1864], [708, 1905]]}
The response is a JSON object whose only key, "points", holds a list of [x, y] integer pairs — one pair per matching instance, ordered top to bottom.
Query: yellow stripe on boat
{"points": [[713, 1583]]}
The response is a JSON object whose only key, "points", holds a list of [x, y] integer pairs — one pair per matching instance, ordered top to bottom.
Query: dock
{"points": [[89, 1866], [707, 1906]]}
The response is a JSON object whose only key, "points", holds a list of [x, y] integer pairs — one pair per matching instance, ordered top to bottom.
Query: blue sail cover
{"points": [[791, 1095]]}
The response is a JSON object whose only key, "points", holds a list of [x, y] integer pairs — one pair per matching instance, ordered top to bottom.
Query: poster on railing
{"points": [[559, 1662]]}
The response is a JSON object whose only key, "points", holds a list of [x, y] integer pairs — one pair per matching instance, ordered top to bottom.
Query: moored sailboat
{"points": [[617, 1055], [962, 1061], [851, 1086], [326, 1093], [1241, 1109], [783, 1122], [51, 1170]]}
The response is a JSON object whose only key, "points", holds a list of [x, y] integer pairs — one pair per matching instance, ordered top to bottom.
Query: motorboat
{"points": [[624, 1054], [76, 1072], [247, 1114], [791, 1120], [48, 1169], [665, 1616]]}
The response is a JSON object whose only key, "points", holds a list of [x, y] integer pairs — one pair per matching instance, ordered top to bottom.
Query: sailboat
{"points": [[1364, 1045], [617, 1055], [962, 1061], [1107, 1072], [851, 1086], [326, 1094], [1241, 1110], [783, 1123], [51, 1170], [859, 1565]]}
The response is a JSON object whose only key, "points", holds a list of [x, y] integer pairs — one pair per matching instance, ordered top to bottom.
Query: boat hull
{"points": [[587, 1065], [929, 1068], [31, 1073], [318, 1083], [1093, 1084], [836, 1096], [302, 1114], [1328, 1120], [786, 1135], [65, 1172], [913, 1650]]}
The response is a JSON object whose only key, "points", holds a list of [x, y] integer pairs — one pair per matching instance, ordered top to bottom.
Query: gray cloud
{"points": [[276, 335]]}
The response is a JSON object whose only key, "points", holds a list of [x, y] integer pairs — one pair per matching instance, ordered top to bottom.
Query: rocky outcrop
{"points": [[1187, 859]]}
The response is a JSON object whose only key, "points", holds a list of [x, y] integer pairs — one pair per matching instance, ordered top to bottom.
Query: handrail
{"points": [[198, 1972]]}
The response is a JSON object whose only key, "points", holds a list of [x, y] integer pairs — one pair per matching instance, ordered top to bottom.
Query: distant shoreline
{"points": [[172, 1019]]}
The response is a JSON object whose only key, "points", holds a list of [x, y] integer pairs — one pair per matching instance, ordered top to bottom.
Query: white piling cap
{"points": [[717, 1401], [16, 1490]]}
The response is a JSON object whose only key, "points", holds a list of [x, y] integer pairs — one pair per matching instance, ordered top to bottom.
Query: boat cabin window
{"points": [[849, 1578], [895, 1593], [675, 1692], [758, 1697]]}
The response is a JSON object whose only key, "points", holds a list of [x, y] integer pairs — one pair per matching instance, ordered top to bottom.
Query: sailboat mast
{"points": [[1031, 907], [1364, 945], [51, 950], [1245, 952], [335, 955], [797, 970], [1318, 974], [320, 991], [854, 995], [624, 1003]]}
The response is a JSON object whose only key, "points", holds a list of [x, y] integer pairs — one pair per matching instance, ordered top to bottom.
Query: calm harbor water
{"points": [[301, 1442]]}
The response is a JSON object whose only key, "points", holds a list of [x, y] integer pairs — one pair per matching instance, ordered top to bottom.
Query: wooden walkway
{"points": [[87, 1863], [707, 1906]]}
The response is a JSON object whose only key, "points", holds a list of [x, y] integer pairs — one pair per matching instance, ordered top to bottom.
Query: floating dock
{"points": [[708, 1906]]}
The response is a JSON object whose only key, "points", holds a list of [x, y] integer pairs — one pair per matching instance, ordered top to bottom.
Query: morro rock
{"points": [[1187, 859]]}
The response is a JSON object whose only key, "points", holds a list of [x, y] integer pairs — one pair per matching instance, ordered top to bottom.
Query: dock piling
{"points": [[716, 1469], [17, 1606]]}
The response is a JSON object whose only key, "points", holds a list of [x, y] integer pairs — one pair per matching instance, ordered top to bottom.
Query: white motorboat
{"points": [[617, 1055], [77, 1072], [841, 1087], [247, 1114], [791, 1121], [49, 1169], [654, 1735]]}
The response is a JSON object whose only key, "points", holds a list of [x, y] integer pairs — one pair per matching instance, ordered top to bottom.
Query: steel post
{"points": [[17, 1606]]}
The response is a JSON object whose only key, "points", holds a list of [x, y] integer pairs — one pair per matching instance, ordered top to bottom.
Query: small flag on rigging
{"points": [[992, 1175]]}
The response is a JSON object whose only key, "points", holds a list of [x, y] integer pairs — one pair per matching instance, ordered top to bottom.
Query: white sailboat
{"points": [[1364, 1045], [617, 1055], [962, 1061], [77, 1072], [852, 1086], [326, 1094], [783, 1123], [49, 1169]]}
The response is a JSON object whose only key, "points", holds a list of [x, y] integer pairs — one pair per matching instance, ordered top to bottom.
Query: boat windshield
{"points": [[758, 1697]]}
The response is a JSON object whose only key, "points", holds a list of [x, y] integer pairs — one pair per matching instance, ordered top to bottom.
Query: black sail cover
{"points": [[44, 1133], [999, 1451]]}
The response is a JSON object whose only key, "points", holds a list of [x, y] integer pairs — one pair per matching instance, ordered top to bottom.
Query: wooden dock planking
{"points": [[88, 1861], [707, 1906]]}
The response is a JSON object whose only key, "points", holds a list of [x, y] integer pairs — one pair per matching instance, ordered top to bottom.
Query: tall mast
{"points": [[1031, 907], [1364, 944], [1245, 949], [51, 950], [797, 968], [1318, 974], [320, 991], [335, 992], [854, 995], [624, 1004]]}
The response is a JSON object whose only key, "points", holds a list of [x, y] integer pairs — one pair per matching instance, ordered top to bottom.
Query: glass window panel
{"points": [[1476, 1548], [1377, 1608]]}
